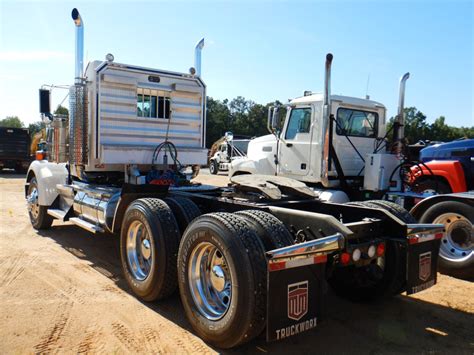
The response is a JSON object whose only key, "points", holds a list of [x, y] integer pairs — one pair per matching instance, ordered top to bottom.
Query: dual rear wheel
{"points": [[219, 264]]}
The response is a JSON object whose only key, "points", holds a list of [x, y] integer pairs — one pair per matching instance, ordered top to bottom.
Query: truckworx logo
{"points": [[424, 266], [297, 300]]}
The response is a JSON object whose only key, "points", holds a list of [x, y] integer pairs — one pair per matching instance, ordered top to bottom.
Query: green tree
{"points": [[239, 109], [61, 110], [218, 120], [12, 122], [35, 127], [416, 128]]}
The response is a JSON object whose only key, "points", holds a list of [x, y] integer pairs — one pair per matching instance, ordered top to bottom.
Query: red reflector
{"points": [[438, 235], [380, 249], [345, 258], [318, 259], [277, 266]]}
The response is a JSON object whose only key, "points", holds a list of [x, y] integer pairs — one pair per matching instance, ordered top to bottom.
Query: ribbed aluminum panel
{"points": [[78, 124], [120, 124]]}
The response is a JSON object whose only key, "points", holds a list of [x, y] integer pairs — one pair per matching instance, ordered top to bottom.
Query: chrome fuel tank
{"points": [[96, 204]]}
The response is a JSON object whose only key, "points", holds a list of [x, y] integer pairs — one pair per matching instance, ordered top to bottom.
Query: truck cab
{"points": [[331, 142], [300, 149], [227, 151]]}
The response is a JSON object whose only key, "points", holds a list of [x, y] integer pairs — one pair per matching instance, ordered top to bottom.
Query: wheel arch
{"points": [[450, 172], [47, 175], [421, 207]]}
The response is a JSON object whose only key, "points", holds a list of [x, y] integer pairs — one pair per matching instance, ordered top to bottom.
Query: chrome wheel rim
{"points": [[33, 205], [458, 240], [139, 250], [210, 281]]}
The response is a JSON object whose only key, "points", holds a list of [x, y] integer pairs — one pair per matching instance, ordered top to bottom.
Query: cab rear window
{"points": [[356, 123]]}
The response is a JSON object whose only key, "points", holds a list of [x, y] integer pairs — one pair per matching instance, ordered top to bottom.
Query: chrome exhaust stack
{"points": [[76, 17], [197, 56], [326, 120], [78, 122], [399, 127]]}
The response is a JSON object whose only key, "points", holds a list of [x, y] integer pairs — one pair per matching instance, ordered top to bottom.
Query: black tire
{"points": [[213, 167], [427, 185], [395, 209], [184, 210], [39, 217], [271, 230], [459, 230], [163, 233], [243, 252], [373, 282]]}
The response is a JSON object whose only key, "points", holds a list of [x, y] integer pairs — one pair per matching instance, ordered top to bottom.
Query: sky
{"points": [[262, 50]]}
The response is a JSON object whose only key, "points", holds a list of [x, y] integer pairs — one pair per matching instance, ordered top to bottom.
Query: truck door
{"points": [[354, 135], [295, 147]]}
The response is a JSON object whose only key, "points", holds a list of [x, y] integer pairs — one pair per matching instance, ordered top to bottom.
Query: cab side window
{"points": [[299, 122], [356, 123]]}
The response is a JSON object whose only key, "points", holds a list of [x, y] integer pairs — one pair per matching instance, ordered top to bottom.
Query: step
{"points": [[58, 214], [86, 225]]}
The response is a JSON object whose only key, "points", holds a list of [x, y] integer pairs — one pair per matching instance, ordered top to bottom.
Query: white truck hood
{"points": [[262, 147], [260, 157]]}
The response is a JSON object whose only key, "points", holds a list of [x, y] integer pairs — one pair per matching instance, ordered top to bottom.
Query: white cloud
{"points": [[24, 56]]}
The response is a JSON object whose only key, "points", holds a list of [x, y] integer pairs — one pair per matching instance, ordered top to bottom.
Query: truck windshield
{"points": [[356, 123]]}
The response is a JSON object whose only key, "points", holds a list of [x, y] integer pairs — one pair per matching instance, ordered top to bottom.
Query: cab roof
{"points": [[353, 101]]}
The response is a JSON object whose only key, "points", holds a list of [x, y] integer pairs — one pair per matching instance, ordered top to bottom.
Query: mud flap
{"points": [[422, 263], [294, 299]]}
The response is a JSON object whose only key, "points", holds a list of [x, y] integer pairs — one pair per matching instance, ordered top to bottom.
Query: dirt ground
{"points": [[62, 291]]}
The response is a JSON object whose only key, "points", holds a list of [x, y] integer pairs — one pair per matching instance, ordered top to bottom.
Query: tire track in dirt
{"points": [[17, 266], [53, 335], [126, 337], [155, 338], [91, 341]]}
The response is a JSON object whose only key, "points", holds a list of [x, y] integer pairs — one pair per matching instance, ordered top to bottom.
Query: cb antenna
{"points": [[367, 88]]}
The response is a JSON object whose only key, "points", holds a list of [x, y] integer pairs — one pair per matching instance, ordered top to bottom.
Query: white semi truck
{"points": [[337, 145], [228, 149], [248, 257]]}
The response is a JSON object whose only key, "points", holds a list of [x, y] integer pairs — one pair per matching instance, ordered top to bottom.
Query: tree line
{"points": [[245, 117], [248, 118]]}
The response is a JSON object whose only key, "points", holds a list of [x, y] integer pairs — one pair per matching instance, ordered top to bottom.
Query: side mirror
{"points": [[44, 100], [275, 116], [272, 120], [228, 136]]}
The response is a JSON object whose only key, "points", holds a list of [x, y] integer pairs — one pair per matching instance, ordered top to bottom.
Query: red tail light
{"points": [[380, 249], [345, 258]]}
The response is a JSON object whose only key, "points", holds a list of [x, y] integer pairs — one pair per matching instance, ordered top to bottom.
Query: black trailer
{"points": [[14, 149]]}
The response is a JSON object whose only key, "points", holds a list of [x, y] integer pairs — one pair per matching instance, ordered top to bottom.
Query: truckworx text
{"points": [[251, 257]]}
